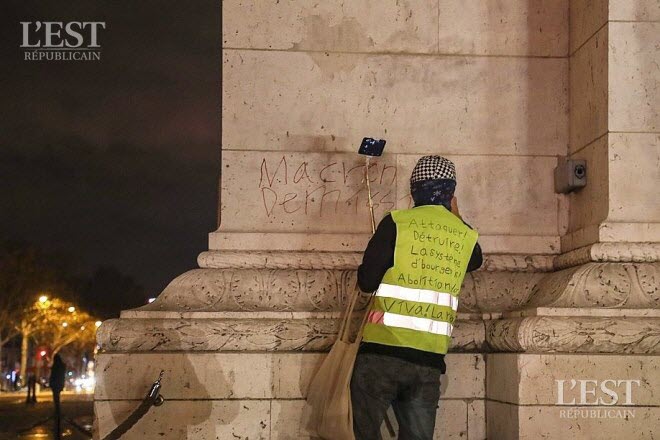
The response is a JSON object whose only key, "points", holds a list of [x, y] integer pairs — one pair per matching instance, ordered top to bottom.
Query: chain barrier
{"points": [[153, 398]]}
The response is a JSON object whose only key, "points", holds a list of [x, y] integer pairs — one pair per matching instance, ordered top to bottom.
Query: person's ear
{"points": [[454, 206]]}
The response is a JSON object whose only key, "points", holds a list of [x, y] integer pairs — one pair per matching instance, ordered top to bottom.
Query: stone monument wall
{"points": [[485, 85], [614, 121], [569, 286]]}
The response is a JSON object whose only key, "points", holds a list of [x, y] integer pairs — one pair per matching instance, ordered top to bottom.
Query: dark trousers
{"points": [[31, 390], [413, 391], [57, 423]]}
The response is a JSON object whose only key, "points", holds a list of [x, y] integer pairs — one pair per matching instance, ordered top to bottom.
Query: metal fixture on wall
{"points": [[570, 175]]}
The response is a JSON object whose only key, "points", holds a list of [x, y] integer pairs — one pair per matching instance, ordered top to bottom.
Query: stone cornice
{"points": [[609, 252], [279, 260], [349, 261], [606, 285], [624, 285], [317, 290], [289, 301], [246, 334], [543, 334]]}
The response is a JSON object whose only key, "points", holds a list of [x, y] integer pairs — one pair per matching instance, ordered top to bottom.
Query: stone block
{"points": [[638, 10], [586, 18], [306, 25], [536, 28], [589, 91], [634, 91], [326, 102], [634, 168], [304, 192], [280, 200], [299, 200], [589, 205], [498, 206], [631, 232], [582, 237], [288, 241], [531, 245], [514, 246], [293, 372], [187, 375], [465, 377], [502, 377], [531, 379], [188, 419], [289, 420], [477, 420], [451, 421], [502, 421], [512, 422]]}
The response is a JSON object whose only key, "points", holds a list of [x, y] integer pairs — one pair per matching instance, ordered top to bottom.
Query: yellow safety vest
{"points": [[416, 302]]}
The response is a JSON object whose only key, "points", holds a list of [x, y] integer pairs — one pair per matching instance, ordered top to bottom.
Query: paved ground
{"points": [[31, 422]]}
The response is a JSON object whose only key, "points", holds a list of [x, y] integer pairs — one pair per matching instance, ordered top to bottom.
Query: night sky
{"points": [[114, 162]]}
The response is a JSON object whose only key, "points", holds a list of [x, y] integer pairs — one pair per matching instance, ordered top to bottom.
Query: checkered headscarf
{"points": [[433, 168], [433, 181]]}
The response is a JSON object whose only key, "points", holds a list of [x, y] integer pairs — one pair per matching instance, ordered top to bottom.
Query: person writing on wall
{"points": [[416, 262]]}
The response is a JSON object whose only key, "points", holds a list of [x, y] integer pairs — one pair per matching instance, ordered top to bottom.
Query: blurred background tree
{"points": [[25, 273], [43, 299], [55, 323], [59, 323]]}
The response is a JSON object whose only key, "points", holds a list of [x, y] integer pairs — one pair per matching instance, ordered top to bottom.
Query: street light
{"points": [[43, 299], [71, 309], [64, 324], [97, 324]]}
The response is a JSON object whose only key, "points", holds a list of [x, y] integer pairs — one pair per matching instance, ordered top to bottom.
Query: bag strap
{"points": [[348, 313], [358, 337]]}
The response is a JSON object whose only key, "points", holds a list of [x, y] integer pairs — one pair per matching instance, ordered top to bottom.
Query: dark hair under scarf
{"points": [[433, 192]]}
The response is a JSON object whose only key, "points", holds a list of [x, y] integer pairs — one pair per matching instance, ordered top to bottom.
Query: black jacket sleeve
{"points": [[379, 255], [476, 259]]}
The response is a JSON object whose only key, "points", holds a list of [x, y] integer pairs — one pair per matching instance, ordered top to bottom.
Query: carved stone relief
{"points": [[610, 252], [620, 285], [305, 287], [319, 290], [264, 334], [575, 335]]}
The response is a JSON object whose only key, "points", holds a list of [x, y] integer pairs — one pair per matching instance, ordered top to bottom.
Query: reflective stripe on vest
{"points": [[418, 295], [416, 303], [410, 322]]}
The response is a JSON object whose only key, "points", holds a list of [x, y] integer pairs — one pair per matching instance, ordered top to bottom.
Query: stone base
{"points": [[253, 395], [524, 399]]}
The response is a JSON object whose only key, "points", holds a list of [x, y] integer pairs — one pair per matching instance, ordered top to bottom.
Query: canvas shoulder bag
{"points": [[329, 394]]}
